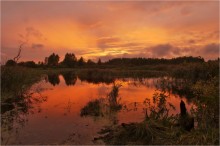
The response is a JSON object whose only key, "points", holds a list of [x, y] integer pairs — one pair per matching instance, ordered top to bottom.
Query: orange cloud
{"points": [[116, 29]]}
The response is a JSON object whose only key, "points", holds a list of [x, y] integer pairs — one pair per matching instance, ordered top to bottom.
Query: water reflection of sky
{"points": [[58, 121]]}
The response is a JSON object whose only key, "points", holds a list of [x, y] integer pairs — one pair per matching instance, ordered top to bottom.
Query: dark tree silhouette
{"points": [[16, 58], [46, 60], [53, 60], [70, 60], [154, 61], [13, 62], [81, 62], [90, 62], [99, 62], [10, 63], [28, 64], [70, 78], [53, 79]]}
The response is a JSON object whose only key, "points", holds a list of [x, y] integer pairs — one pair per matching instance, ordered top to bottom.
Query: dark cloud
{"points": [[37, 46], [211, 49], [163, 50]]}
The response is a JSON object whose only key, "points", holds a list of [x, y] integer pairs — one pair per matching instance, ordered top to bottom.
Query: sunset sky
{"points": [[110, 29]]}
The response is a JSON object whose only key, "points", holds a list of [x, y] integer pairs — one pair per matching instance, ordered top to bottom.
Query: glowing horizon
{"points": [[110, 29]]}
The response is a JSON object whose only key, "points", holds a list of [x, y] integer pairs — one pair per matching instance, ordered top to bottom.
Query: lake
{"points": [[52, 112]]}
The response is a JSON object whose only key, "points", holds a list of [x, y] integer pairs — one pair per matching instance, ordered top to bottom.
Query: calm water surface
{"points": [[53, 112]]}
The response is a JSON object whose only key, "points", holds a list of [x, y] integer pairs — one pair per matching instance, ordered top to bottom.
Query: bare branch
{"points": [[19, 53]]}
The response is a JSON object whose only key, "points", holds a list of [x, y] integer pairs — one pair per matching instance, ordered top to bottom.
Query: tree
{"points": [[16, 58], [46, 60], [53, 60], [70, 60], [13, 62], [81, 62], [90, 62], [99, 62], [10, 63], [30, 64], [70, 78], [54, 79]]}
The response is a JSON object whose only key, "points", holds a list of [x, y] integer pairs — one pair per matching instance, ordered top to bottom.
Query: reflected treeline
{"points": [[88, 76], [99, 76], [96, 77], [70, 78], [53, 79], [171, 85], [180, 87]]}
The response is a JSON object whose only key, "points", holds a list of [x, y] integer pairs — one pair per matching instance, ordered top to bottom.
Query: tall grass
{"points": [[15, 81], [113, 97], [103, 106], [93, 108]]}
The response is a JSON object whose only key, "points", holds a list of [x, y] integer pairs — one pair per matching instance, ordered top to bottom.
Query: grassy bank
{"points": [[17, 80]]}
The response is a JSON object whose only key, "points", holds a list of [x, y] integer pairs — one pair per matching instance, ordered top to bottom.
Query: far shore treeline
{"points": [[70, 61]]}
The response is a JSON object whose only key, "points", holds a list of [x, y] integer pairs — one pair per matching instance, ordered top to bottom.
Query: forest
{"points": [[70, 61]]}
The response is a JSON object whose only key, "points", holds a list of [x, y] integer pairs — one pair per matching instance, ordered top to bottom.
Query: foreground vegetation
{"points": [[16, 81], [160, 128]]}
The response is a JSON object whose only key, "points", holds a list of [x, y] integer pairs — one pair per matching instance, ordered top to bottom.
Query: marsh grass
{"points": [[15, 81], [113, 97], [103, 106], [93, 108], [146, 132]]}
